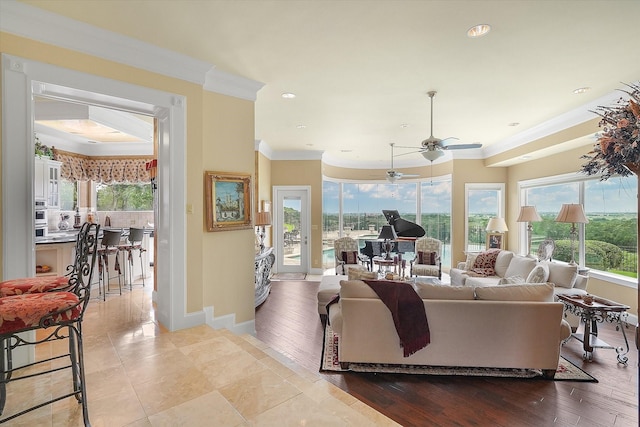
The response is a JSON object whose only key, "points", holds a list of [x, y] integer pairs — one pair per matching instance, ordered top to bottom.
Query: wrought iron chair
{"points": [[347, 255], [427, 261], [55, 314]]}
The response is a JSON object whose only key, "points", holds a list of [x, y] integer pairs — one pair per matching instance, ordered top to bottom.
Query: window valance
{"points": [[107, 170]]}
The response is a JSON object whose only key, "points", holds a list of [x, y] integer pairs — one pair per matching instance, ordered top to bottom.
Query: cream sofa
{"points": [[517, 326]]}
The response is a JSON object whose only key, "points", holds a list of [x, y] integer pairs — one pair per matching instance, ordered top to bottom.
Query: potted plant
{"points": [[41, 150]]}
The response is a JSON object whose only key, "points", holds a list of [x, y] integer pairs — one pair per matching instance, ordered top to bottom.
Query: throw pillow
{"points": [[350, 257], [428, 258], [471, 259], [485, 262], [520, 266], [356, 274], [539, 274], [562, 275], [514, 280], [356, 289], [431, 291], [539, 292]]}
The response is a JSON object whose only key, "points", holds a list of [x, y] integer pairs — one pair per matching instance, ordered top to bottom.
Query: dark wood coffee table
{"points": [[598, 311]]}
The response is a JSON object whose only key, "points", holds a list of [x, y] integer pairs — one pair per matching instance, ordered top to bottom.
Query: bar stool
{"points": [[110, 243], [135, 243]]}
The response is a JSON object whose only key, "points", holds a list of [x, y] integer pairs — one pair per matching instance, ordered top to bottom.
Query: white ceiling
{"points": [[361, 69]]}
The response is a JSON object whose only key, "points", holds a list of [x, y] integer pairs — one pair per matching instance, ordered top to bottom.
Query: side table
{"points": [[599, 311]]}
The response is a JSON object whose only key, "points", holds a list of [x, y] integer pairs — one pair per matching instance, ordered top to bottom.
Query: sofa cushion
{"points": [[502, 262], [485, 263], [520, 266], [357, 274], [539, 274], [562, 275], [514, 280], [356, 289], [431, 291], [539, 292]]}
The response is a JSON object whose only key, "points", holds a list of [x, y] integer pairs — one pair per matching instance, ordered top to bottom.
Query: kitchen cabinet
{"points": [[47, 181], [56, 255]]}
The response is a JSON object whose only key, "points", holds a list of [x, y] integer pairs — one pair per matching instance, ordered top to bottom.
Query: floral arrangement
{"points": [[617, 151]]}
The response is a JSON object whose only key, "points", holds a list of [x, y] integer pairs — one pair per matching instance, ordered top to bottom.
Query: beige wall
{"points": [[220, 136], [304, 172]]}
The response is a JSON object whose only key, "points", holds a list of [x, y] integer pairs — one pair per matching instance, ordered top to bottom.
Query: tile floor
{"points": [[138, 374]]}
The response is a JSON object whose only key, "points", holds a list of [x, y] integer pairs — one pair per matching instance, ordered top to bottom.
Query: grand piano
{"points": [[407, 232]]}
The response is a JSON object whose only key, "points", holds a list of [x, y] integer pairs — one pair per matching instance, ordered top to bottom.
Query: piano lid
{"points": [[403, 227]]}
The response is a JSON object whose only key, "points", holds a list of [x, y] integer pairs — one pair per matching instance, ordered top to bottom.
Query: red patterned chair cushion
{"points": [[428, 258], [31, 285], [23, 312]]}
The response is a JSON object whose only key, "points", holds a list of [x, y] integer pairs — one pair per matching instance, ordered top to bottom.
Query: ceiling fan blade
{"points": [[443, 143], [461, 146]]}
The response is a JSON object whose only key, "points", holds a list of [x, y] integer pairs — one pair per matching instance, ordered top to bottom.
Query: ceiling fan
{"points": [[432, 147], [392, 174]]}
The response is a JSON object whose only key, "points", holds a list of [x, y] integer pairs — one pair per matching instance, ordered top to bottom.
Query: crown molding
{"points": [[37, 24], [263, 148]]}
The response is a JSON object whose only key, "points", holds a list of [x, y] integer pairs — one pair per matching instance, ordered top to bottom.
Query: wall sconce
{"points": [[572, 213], [528, 214], [262, 220]]}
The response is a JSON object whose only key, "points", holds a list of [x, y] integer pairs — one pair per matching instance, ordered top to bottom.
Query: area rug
{"points": [[289, 276], [566, 371]]}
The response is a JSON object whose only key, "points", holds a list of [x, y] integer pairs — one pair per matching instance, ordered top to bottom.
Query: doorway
{"points": [[22, 80], [291, 229]]}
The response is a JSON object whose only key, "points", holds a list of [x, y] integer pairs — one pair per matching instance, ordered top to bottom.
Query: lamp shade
{"points": [[572, 212], [528, 214], [263, 218], [497, 224], [388, 233]]}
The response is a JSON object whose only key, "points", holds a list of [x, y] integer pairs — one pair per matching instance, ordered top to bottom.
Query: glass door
{"points": [[291, 229]]}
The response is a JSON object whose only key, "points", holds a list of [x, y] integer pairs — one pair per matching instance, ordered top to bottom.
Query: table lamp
{"points": [[572, 213], [528, 214], [262, 220], [388, 233]]}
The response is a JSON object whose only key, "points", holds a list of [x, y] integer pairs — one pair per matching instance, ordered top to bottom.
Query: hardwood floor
{"points": [[288, 322]]}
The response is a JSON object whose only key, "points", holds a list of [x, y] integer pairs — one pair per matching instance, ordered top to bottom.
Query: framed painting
{"points": [[227, 201], [494, 240]]}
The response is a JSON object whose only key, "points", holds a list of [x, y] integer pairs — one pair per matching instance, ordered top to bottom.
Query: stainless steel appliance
{"points": [[41, 221]]}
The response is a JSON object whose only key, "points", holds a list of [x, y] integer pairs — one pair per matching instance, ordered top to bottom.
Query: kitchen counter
{"points": [[58, 237]]}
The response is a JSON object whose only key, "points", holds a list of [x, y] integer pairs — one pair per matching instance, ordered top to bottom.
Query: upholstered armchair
{"points": [[347, 255], [427, 261]]}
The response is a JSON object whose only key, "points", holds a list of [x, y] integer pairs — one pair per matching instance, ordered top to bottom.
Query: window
{"points": [[68, 195], [124, 197], [483, 201], [355, 209], [608, 243]]}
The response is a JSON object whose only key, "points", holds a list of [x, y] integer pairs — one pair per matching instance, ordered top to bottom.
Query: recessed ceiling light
{"points": [[478, 30], [581, 90], [288, 95], [514, 124], [404, 126], [301, 127], [309, 145], [346, 151], [525, 157]]}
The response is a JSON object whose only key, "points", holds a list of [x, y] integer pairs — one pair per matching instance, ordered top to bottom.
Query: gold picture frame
{"points": [[228, 201], [495, 240]]}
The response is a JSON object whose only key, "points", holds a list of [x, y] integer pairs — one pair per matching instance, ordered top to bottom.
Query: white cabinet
{"points": [[47, 181]]}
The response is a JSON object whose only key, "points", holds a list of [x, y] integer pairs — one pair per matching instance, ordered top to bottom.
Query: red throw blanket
{"points": [[407, 310]]}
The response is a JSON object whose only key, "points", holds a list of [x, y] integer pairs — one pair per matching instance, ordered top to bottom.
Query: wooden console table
{"points": [[263, 264], [600, 310]]}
